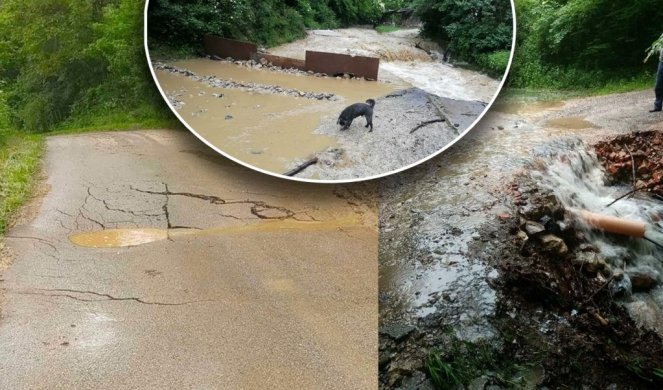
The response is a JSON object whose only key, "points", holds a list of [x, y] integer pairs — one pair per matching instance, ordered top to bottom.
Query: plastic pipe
{"points": [[608, 223]]}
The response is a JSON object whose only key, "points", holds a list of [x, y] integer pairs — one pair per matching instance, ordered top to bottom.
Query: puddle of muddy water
{"points": [[520, 108], [571, 123], [269, 131], [115, 238]]}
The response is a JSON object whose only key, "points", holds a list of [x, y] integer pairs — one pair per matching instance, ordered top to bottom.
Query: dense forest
{"points": [[478, 31], [585, 44], [74, 60], [80, 63]]}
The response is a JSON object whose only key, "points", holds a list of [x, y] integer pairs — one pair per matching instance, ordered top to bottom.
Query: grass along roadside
{"points": [[513, 94], [146, 117], [20, 152], [20, 156]]}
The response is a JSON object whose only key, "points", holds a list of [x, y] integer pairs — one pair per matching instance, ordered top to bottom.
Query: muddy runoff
{"points": [[266, 118], [116, 238], [487, 272]]}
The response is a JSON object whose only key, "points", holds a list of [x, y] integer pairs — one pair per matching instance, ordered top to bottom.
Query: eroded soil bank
{"points": [[276, 119], [471, 294]]}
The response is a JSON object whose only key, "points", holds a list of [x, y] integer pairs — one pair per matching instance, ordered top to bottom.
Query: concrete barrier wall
{"points": [[224, 47], [333, 64]]}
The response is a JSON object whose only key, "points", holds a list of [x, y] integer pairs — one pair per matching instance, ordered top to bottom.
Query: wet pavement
{"points": [[153, 263]]}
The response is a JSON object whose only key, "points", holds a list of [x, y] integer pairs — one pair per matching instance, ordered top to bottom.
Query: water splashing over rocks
{"points": [[634, 265]]}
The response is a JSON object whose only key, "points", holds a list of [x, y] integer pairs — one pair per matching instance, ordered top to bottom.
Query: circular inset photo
{"points": [[329, 90]]}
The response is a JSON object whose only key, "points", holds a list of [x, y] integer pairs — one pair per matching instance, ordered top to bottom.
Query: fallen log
{"points": [[418, 46], [426, 123], [301, 167]]}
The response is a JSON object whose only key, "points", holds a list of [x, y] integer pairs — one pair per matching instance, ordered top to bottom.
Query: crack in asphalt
{"points": [[109, 208], [258, 208], [87, 213], [41, 240], [107, 297]]}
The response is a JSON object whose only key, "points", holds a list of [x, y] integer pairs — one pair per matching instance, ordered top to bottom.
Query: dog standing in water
{"points": [[355, 110]]}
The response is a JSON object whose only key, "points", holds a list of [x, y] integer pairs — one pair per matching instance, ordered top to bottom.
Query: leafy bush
{"points": [[269, 22], [472, 28], [583, 44], [63, 58], [496, 62]]}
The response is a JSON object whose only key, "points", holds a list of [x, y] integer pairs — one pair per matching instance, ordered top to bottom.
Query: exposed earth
{"points": [[147, 261], [454, 284]]}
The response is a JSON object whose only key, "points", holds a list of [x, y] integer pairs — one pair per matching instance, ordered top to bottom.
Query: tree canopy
{"points": [[269, 22], [474, 29], [581, 43], [64, 57]]}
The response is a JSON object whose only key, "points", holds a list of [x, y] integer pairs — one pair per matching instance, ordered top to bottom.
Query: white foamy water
{"points": [[444, 80], [578, 181]]}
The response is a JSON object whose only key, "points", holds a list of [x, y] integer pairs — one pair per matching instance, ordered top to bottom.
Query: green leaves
{"points": [[472, 28], [655, 48], [62, 58]]}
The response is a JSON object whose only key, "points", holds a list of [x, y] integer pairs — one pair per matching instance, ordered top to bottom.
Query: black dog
{"points": [[355, 110]]}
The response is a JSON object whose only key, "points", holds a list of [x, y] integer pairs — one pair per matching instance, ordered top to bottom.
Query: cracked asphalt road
{"points": [[274, 284]]}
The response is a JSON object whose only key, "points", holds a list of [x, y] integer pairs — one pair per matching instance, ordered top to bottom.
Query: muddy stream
{"points": [[275, 119], [268, 131]]}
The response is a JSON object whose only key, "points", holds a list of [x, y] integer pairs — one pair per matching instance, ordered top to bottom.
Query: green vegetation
{"points": [[181, 24], [386, 28], [477, 31], [595, 46], [75, 62], [495, 62], [19, 160], [464, 361]]}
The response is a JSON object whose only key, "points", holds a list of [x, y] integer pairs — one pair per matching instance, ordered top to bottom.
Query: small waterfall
{"points": [[578, 180]]}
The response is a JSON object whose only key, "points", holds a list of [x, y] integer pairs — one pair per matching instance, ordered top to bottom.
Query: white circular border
{"points": [[292, 178]]}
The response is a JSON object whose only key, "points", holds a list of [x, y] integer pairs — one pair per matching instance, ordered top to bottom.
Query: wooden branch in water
{"points": [[418, 46], [426, 123], [632, 163], [301, 167], [627, 194]]}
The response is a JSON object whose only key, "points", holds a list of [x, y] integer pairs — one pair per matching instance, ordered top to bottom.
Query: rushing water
{"points": [[579, 182], [429, 216]]}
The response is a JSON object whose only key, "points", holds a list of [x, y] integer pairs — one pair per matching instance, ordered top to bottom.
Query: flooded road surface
{"points": [[442, 79], [268, 131], [430, 217], [152, 262]]}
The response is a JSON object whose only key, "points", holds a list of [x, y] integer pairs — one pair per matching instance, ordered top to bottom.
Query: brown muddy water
{"points": [[520, 108], [572, 123], [268, 131], [115, 238]]}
